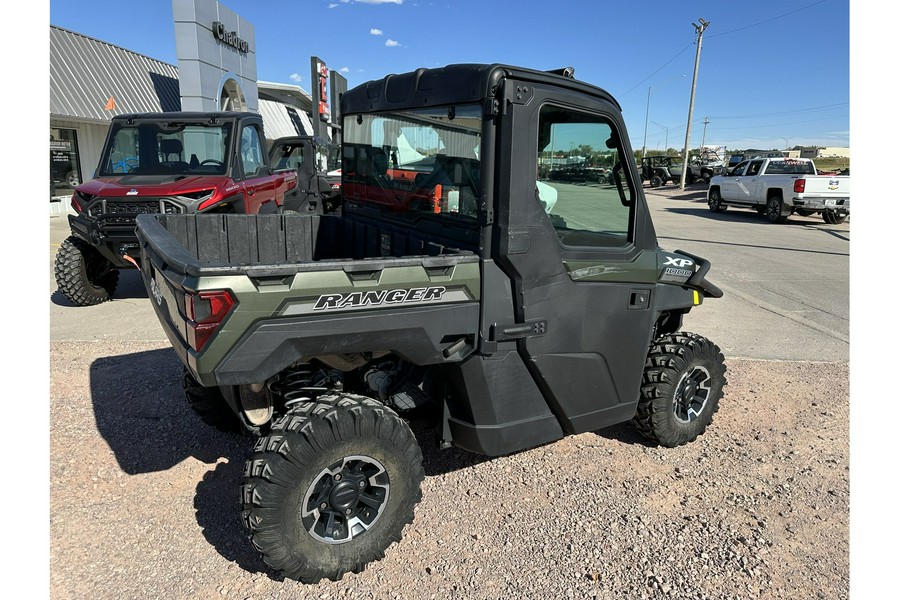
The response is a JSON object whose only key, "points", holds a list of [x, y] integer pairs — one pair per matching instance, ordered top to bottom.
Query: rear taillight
{"points": [[799, 186], [205, 311]]}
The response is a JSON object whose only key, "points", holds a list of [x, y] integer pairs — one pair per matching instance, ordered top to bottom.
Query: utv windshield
{"points": [[166, 149], [415, 162]]}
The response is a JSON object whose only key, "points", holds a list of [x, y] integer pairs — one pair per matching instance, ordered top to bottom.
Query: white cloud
{"points": [[378, 1], [332, 5], [374, 31], [391, 43], [344, 70], [296, 77]]}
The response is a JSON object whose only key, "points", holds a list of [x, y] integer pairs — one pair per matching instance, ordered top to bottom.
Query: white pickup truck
{"points": [[780, 187]]}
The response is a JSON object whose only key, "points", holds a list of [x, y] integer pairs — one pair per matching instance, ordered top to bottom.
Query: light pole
{"points": [[647, 115]]}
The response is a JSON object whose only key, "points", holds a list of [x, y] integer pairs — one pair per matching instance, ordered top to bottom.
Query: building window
{"points": [[65, 173]]}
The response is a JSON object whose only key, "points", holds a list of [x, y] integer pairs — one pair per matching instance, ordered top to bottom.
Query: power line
{"points": [[767, 20], [680, 52], [648, 77], [783, 113], [772, 125]]}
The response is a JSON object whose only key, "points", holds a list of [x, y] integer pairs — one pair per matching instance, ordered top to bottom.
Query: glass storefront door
{"points": [[65, 172]]}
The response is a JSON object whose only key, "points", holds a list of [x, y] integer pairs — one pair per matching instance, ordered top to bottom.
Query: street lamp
{"points": [[647, 116]]}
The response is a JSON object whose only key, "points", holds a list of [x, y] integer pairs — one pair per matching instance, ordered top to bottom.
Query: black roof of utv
{"points": [[452, 84]]}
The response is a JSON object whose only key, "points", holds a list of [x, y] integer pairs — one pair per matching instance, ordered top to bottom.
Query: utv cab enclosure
{"points": [[446, 287]]}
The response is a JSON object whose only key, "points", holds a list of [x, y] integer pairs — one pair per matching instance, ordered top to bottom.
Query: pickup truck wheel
{"points": [[715, 201], [775, 210], [833, 218], [82, 274], [684, 376], [331, 487]]}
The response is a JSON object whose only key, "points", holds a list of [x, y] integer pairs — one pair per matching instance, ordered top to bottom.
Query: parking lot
{"points": [[144, 497]]}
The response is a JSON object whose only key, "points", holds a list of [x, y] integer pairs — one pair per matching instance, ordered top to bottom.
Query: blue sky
{"points": [[772, 74]]}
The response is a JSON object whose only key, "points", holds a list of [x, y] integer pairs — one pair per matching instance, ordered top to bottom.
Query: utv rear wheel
{"points": [[656, 181], [715, 201], [82, 274], [684, 376], [209, 404], [331, 487]]}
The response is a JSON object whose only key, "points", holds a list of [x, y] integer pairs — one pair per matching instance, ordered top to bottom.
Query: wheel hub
{"points": [[692, 394], [345, 499]]}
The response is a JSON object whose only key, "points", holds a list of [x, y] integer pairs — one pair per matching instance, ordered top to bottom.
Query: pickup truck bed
{"points": [[322, 285]]}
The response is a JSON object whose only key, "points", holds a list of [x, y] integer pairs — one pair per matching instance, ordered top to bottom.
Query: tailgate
{"points": [[828, 187], [163, 270]]}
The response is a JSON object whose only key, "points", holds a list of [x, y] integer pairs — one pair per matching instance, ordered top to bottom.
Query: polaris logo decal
{"points": [[131, 192], [678, 262], [156, 292], [377, 298]]}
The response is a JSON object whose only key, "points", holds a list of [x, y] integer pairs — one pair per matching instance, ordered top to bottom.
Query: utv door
{"points": [[257, 180], [583, 274]]}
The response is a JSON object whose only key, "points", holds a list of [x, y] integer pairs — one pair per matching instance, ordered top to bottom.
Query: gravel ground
{"points": [[144, 499]]}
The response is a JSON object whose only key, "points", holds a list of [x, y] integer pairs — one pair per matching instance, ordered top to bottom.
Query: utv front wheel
{"points": [[82, 274], [682, 384], [331, 487]]}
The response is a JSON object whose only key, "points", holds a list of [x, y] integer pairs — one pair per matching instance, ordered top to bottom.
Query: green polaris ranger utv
{"points": [[453, 284]]}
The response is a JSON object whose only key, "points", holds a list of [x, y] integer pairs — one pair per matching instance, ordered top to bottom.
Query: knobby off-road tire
{"points": [[715, 201], [82, 274], [684, 376], [210, 405], [331, 487]]}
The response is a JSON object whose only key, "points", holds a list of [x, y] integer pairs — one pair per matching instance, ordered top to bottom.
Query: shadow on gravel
{"points": [[130, 286], [141, 412], [626, 434], [218, 510]]}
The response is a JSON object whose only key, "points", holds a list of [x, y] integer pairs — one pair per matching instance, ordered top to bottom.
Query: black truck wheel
{"points": [[656, 181], [715, 201], [775, 210], [832, 217], [82, 274], [684, 376], [331, 487]]}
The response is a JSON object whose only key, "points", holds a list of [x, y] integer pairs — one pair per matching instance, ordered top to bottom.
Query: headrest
{"points": [[171, 146]]}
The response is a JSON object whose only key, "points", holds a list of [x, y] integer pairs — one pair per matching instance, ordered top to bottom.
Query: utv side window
{"points": [[251, 151], [582, 183]]}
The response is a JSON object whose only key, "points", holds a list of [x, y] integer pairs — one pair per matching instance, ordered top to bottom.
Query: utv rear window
{"points": [[415, 163]]}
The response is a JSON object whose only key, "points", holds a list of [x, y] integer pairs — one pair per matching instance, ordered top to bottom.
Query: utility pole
{"points": [[687, 136], [703, 141]]}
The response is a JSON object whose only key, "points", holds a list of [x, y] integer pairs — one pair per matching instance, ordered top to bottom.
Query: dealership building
{"points": [[92, 81]]}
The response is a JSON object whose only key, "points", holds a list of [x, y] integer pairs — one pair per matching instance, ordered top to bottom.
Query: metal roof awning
{"points": [[85, 73], [283, 120]]}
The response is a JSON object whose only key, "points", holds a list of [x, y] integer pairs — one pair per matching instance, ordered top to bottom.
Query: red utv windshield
{"points": [[166, 149]]}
